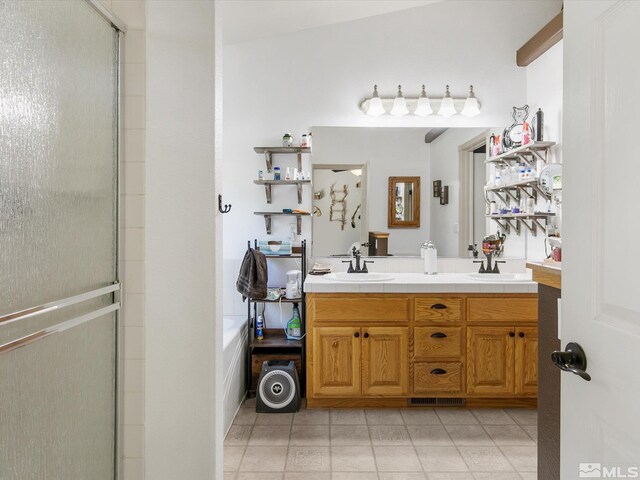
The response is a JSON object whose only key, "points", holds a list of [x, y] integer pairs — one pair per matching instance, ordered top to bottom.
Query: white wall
{"points": [[289, 83], [445, 167], [183, 344]]}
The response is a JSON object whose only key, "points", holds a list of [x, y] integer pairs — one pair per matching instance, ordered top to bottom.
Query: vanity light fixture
{"points": [[375, 104], [399, 104], [424, 105], [470, 105], [420, 106], [446, 106]]}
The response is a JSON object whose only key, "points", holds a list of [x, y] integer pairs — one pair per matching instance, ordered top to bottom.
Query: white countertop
{"points": [[421, 283]]}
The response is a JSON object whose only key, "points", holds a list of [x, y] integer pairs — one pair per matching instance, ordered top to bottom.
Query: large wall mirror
{"points": [[454, 156], [404, 202]]}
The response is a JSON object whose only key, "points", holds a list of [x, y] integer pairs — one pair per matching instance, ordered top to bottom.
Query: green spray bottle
{"points": [[294, 326]]}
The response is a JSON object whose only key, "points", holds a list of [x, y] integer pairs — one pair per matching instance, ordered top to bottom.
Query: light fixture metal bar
{"points": [[412, 103]]}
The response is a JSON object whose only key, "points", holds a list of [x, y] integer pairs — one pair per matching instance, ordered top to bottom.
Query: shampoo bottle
{"points": [[431, 259]]}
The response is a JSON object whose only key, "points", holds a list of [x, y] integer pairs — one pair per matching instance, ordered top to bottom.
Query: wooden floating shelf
{"points": [[270, 151], [520, 153], [269, 183], [267, 219]]}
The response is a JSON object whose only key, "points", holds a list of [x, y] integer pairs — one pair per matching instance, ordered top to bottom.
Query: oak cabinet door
{"points": [[490, 360], [527, 360], [336, 361], [385, 365]]}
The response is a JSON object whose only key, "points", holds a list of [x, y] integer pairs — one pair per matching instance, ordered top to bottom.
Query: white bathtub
{"points": [[234, 356]]}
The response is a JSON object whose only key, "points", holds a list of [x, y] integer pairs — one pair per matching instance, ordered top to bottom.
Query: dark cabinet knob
{"points": [[438, 306], [356, 334], [512, 334], [521, 334], [366, 335], [438, 335], [438, 371]]}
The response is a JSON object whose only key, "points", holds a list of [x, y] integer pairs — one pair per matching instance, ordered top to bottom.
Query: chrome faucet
{"points": [[356, 253]]}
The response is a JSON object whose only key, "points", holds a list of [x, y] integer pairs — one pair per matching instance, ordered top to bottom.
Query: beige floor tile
{"points": [[250, 403], [245, 416], [420, 416], [456, 416], [492, 416], [524, 416], [311, 417], [348, 417], [384, 417], [274, 419], [532, 431], [238, 435], [277, 435], [310, 435], [354, 435], [389, 435], [429, 435], [469, 435], [509, 435], [232, 458], [264, 459], [308, 459], [352, 459], [397, 459], [441, 459], [485, 459], [524, 459], [229, 475], [529, 475], [259, 476], [307, 476], [354, 476], [402, 476], [449, 476], [497, 476]]}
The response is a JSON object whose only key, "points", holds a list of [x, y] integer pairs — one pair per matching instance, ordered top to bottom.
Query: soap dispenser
{"points": [[430, 259]]}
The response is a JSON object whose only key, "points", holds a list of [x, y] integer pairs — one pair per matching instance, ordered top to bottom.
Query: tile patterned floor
{"points": [[408, 444]]}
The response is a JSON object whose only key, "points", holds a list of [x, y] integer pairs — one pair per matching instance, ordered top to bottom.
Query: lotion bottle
{"points": [[431, 259]]}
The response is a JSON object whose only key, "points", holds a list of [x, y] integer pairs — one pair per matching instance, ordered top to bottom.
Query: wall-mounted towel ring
{"points": [[226, 208]]}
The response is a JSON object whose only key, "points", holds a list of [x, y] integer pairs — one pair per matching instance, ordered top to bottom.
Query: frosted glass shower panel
{"points": [[58, 140]]}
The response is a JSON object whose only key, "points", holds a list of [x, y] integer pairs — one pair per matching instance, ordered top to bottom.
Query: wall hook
{"points": [[226, 208]]}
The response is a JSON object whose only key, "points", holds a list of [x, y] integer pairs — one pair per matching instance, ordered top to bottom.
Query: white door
{"points": [[601, 229]]}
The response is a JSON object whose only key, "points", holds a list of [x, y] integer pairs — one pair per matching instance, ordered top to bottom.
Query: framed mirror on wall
{"points": [[404, 202]]}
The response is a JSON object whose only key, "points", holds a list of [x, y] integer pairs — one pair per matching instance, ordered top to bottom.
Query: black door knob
{"points": [[356, 334], [573, 360]]}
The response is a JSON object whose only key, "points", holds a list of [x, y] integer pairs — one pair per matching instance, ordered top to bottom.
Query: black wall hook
{"points": [[226, 208]]}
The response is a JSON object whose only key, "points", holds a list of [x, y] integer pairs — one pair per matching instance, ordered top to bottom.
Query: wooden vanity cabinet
{"points": [[383, 349]]}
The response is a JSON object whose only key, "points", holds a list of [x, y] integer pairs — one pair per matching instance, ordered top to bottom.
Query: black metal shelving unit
{"points": [[274, 341]]}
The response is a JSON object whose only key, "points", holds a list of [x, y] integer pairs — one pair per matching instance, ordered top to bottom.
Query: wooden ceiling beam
{"points": [[542, 41]]}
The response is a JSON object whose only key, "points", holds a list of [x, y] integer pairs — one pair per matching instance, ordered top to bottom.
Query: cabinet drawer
{"points": [[365, 308], [502, 309], [438, 310], [437, 342], [437, 377]]}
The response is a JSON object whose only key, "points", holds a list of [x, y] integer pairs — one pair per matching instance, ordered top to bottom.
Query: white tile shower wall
{"points": [[132, 12], [326, 71]]}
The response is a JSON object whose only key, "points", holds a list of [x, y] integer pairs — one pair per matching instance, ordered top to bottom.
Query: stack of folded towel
{"points": [[320, 269]]}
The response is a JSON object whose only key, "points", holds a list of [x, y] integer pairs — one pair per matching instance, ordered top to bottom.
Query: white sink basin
{"points": [[358, 277], [499, 277]]}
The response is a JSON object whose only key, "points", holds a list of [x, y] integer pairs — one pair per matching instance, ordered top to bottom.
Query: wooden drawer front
{"points": [[366, 308], [438, 310], [502, 310], [437, 342], [433, 377]]}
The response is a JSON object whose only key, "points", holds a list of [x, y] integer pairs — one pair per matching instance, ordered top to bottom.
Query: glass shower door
{"points": [[58, 240]]}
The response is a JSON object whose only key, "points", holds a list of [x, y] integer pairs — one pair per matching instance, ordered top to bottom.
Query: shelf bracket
{"points": [[299, 157], [540, 157], [269, 159], [525, 160], [299, 188], [267, 191], [541, 192], [532, 194], [515, 198], [504, 200], [537, 222], [267, 223], [299, 224], [516, 227], [531, 228]]}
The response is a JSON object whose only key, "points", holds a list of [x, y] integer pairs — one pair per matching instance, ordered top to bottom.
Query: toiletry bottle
{"points": [[538, 125], [526, 134], [287, 140], [309, 140], [304, 142], [492, 142], [276, 173], [287, 175], [423, 248], [431, 259], [294, 325], [260, 327]]}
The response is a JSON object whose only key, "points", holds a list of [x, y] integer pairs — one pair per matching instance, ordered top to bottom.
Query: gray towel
{"points": [[253, 277]]}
